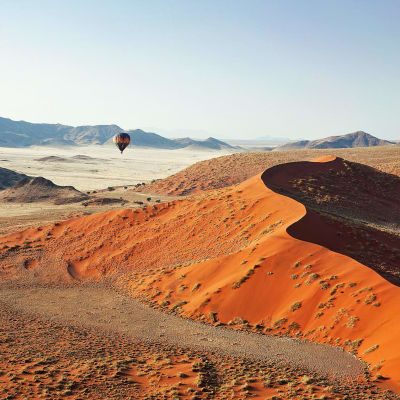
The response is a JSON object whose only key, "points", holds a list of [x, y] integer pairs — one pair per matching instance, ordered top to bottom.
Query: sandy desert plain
{"points": [[270, 275]]}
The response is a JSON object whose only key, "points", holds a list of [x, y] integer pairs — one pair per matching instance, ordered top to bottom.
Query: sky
{"points": [[238, 69]]}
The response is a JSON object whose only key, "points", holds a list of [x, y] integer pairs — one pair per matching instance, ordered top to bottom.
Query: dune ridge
{"points": [[232, 169], [351, 209]]}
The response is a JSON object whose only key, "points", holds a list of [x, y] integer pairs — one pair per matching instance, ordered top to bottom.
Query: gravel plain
{"points": [[105, 309]]}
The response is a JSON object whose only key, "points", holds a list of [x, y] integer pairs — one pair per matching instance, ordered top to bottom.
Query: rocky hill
{"points": [[355, 139], [208, 144], [9, 178], [31, 190]]}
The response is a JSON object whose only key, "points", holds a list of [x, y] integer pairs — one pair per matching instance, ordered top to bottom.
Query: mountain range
{"points": [[22, 134]]}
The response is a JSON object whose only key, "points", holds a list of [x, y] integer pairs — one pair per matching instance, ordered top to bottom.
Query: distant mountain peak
{"points": [[350, 140]]}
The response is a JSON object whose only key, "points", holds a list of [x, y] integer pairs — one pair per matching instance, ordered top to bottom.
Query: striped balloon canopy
{"points": [[122, 141]]}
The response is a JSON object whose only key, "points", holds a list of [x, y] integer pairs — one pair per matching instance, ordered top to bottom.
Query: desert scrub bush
{"points": [[243, 262], [296, 264], [309, 266], [250, 272], [294, 276], [312, 278], [237, 284], [352, 284], [297, 285], [324, 285], [196, 286], [182, 288], [336, 288], [370, 299], [207, 300], [377, 304], [178, 305], [295, 306], [318, 315], [213, 316], [237, 321], [279, 322], [351, 323], [293, 326], [355, 344], [371, 349], [307, 380]]}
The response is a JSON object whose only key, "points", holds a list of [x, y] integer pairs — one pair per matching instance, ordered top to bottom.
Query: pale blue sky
{"points": [[230, 69]]}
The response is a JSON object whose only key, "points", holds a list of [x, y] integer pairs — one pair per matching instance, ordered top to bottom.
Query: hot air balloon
{"points": [[122, 141]]}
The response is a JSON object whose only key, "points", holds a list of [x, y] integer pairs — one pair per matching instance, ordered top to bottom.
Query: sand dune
{"points": [[228, 170], [226, 257]]}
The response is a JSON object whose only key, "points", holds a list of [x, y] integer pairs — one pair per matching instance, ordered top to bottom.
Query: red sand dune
{"points": [[228, 170], [229, 257]]}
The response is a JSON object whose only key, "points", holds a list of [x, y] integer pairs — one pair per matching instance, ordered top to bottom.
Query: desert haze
{"points": [[97, 167]]}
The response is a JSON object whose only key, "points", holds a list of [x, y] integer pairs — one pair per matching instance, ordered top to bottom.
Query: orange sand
{"points": [[206, 246]]}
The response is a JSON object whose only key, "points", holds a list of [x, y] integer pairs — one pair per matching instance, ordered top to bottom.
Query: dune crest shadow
{"points": [[351, 209]]}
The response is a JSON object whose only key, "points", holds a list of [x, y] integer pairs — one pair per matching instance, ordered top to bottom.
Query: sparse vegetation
{"points": [[196, 286], [370, 299], [295, 306], [279, 322], [371, 349]]}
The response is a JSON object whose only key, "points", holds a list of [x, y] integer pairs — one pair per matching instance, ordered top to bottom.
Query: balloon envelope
{"points": [[122, 141]]}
